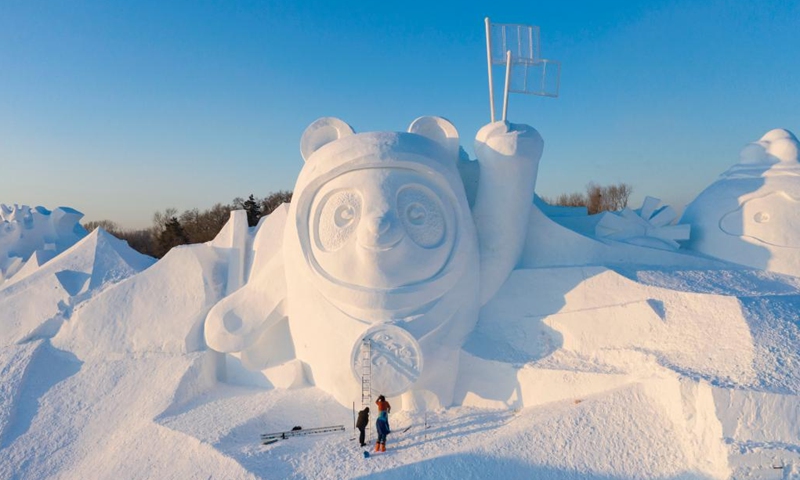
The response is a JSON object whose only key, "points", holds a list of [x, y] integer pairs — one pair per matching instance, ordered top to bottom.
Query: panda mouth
{"points": [[380, 247]]}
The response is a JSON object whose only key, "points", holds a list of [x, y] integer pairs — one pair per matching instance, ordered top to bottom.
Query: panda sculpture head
{"points": [[380, 217]]}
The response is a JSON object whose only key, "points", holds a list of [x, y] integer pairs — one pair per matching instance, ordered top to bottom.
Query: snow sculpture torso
{"points": [[751, 215], [384, 259]]}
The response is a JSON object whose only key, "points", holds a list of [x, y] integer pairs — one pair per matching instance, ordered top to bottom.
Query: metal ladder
{"points": [[366, 378], [268, 438]]}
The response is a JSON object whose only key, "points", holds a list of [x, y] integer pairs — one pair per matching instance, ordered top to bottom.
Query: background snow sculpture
{"points": [[751, 214], [647, 226], [25, 230], [559, 236], [380, 244]]}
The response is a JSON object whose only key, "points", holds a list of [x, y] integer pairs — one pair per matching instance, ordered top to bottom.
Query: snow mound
{"points": [[59, 285], [160, 310], [16, 361], [76, 419]]}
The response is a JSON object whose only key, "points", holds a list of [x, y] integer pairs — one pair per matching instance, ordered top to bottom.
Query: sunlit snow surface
{"points": [[650, 374]]}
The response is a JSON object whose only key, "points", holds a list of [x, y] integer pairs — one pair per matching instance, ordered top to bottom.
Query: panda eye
{"points": [[421, 213], [416, 214], [344, 215], [336, 220]]}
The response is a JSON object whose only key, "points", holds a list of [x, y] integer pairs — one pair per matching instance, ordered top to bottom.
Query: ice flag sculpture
{"points": [[517, 47], [751, 214], [648, 226], [24, 230], [382, 254]]}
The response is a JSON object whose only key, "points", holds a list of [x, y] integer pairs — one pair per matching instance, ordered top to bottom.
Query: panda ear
{"points": [[439, 130], [322, 132]]}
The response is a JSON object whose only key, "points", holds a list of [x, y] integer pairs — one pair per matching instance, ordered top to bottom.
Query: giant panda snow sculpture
{"points": [[751, 214], [384, 260]]}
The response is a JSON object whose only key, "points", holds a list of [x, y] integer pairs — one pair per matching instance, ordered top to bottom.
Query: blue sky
{"points": [[120, 109]]}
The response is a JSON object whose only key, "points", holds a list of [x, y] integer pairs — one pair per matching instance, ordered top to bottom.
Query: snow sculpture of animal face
{"points": [[751, 215], [365, 236], [386, 266]]}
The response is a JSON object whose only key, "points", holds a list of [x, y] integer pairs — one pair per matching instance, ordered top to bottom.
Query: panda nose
{"points": [[379, 224], [380, 231]]}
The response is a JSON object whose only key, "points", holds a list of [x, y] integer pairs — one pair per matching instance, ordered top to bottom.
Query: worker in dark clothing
{"points": [[361, 424]]}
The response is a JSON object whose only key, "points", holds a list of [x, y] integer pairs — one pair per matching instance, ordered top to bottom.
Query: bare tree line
{"points": [[596, 199], [170, 229]]}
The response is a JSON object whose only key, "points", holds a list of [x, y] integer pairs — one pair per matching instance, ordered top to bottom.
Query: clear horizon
{"points": [[121, 110]]}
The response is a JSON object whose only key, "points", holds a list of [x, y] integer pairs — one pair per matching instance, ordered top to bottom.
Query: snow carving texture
{"points": [[750, 215], [760, 225], [648, 226], [24, 230], [380, 244], [395, 357]]}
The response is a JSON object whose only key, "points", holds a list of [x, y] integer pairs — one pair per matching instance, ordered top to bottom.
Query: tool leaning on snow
{"points": [[268, 438]]}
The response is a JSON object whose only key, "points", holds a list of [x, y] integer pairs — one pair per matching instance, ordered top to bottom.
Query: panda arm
{"points": [[508, 155], [239, 319]]}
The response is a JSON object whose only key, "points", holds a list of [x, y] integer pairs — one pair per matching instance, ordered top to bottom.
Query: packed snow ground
{"points": [[572, 372]]}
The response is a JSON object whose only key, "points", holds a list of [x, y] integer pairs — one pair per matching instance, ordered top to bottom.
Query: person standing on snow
{"points": [[361, 424], [382, 424]]}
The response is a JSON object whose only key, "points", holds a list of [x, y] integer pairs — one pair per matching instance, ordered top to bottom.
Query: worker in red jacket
{"points": [[382, 424]]}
